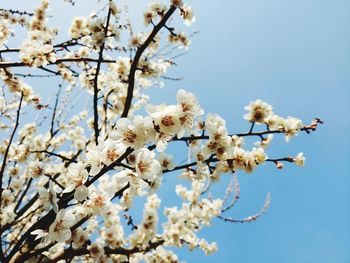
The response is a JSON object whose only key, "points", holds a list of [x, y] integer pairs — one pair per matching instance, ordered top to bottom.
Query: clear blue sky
{"points": [[295, 54]]}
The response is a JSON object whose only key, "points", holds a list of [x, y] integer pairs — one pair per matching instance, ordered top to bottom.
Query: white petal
{"points": [[181, 133], [161, 146], [69, 188], [81, 193], [55, 207], [60, 215]]}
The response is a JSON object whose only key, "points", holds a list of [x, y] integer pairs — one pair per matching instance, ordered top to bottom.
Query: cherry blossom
{"points": [[85, 170], [60, 229]]}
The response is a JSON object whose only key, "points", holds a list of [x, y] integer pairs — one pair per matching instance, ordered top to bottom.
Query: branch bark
{"points": [[139, 52], [58, 61], [98, 68]]}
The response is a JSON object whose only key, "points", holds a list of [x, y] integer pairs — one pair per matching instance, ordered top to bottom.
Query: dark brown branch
{"points": [[16, 12], [9, 50], [139, 52], [58, 61], [98, 68], [50, 71], [105, 108], [54, 112], [251, 127], [306, 128], [285, 159], [72, 160], [109, 167], [54, 180], [28, 184], [35, 198], [49, 217], [71, 252]]}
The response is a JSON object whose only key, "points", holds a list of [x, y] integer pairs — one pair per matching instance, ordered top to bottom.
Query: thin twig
{"points": [[3, 166]]}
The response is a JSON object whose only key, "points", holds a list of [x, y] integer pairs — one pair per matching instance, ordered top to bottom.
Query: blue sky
{"points": [[294, 54]]}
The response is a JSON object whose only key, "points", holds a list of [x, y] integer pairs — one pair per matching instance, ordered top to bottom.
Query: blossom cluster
{"points": [[37, 50], [261, 112], [140, 173], [72, 178]]}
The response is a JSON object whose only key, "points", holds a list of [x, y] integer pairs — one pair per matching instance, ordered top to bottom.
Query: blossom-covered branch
{"points": [[79, 158]]}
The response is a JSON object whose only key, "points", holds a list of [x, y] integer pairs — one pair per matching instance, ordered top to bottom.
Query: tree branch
{"points": [[139, 52], [58, 61], [98, 68], [71, 252], [2, 257]]}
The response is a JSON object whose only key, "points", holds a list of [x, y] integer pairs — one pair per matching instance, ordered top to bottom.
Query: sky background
{"points": [[294, 54]]}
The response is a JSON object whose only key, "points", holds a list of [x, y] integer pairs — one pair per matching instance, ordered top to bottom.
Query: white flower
{"points": [[157, 8], [114, 9], [187, 15], [78, 27], [5, 31], [181, 39], [137, 40], [35, 52], [123, 67], [188, 103], [189, 109], [258, 111], [166, 118], [213, 122], [275, 122], [167, 123], [291, 127], [134, 134], [162, 141], [265, 142], [112, 151], [19, 153], [199, 154], [259, 155], [240, 157], [94, 159], [299, 159], [166, 161], [146, 166], [36, 169], [76, 177], [137, 184], [81, 193], [7, 197], [48, 197], [99, 201], [7, 213], [59, 230], [41, 234], [79, 237], [96, 251]]}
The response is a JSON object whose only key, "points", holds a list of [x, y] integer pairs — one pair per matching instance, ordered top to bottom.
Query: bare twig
{"points": [[250, 218]]}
